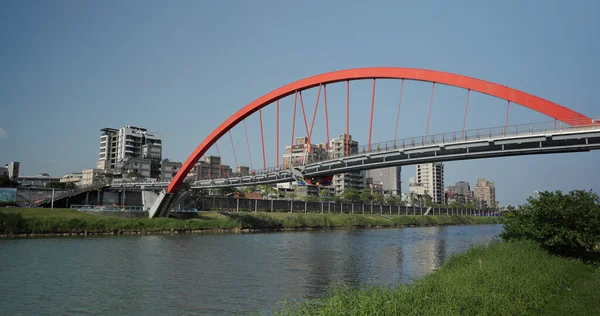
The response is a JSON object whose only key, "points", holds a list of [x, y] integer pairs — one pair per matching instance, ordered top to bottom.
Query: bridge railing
{"points": [[479, 134]]}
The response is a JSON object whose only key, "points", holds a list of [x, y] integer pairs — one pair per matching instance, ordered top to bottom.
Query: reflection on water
{"points": [[214, 274]]}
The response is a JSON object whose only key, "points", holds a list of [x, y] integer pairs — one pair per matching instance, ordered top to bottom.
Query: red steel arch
{"points": [[540, 105]]}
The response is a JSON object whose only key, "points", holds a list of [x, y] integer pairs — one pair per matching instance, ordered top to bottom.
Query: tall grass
{"points": [[45, 221], [516, 278]]}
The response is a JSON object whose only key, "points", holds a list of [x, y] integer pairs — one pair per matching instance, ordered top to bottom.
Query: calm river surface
{"points": [[214, 274]]}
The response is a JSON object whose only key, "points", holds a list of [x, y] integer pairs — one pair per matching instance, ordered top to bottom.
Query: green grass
{"points": [[58, 221], [515, 278]]}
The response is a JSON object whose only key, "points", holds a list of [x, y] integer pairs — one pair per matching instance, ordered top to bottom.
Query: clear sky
{"points": [[179, 68]]}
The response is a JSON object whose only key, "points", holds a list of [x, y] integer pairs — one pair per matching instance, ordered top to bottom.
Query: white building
{"points": [[130, 149], [390, 178], [347, 180], [429, 181]]}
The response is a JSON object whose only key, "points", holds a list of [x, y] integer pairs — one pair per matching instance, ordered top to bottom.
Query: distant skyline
{"points": [[70, 68]]}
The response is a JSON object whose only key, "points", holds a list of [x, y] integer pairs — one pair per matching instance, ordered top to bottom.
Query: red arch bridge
{"points": [[564, 131]]}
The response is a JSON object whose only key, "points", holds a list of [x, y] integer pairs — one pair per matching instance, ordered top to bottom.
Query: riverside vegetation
{"points": [[66, 221], [546, 264]]}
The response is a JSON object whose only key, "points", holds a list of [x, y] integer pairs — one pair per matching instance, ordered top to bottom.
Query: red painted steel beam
{"points": [[535, 103], [430, 106], [466, 109], [507, 109], [326, 115], [347, 115], [398, 116], [371, 117], [305, 122], [312, 124], [293, 128], [277, 134], [262, 137], [248, 144], [233, 147]]}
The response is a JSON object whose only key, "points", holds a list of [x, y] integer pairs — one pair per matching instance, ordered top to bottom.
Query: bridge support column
{"points": [[162, 204]]}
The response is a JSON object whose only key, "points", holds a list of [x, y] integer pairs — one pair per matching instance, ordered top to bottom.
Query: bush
{"points": [[11, 223], [566, 224]]}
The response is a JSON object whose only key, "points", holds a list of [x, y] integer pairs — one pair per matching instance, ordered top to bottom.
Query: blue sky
{"points": [[70, 68]]}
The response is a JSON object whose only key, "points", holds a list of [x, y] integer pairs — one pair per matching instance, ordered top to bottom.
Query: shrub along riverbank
{"points": [[65, 221], [513, 278]]}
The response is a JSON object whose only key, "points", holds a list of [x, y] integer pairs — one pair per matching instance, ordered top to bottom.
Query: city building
{"points": [[133, 149], [302, 153], [107, 158], [138, 166], [212, 168], [168, 169], [13, 170], [4, 172], [92, 176], [73, 177], [390, 179], [39, 180], [347, 180], [429, 181], [375, 187], [461, 187], [485, 193]]}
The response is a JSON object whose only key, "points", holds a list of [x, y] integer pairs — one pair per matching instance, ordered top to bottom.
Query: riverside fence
{"points": [[320, 207]]}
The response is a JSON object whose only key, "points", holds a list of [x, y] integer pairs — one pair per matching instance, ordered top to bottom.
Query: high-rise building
{"points": [[108, 149], [131, 149], [302, 153], [13, 170], [390, 179], [346, 180], [429, 181], [461, 188], [485, 193]]}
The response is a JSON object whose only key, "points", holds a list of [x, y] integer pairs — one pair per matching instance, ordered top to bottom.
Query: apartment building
{"points": [[301, 153], [389, 178], [347, 180], [429, 181], [485, 193]]}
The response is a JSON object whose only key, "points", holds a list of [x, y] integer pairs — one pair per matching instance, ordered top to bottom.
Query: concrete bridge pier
{"points": [[164, 202]]}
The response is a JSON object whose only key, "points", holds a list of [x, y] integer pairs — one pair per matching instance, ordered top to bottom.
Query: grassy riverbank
{"points": [[61, 221], [514, 278]]}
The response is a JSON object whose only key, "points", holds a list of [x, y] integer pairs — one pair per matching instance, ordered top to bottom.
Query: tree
{"points": [[5, 182], [61, 185], [250, 189], [225, 191], [267, 191], [324, 193], [290, 195], [351, 195], [366, 196], [378, 198], [394, 201], [427, 201], [562, 223]]}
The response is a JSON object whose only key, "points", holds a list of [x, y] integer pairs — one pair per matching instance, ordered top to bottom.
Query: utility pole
{"points": [[52, 202]]}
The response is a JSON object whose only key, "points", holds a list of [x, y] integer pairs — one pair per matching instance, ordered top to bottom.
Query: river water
{"points": [[219, 274]]}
